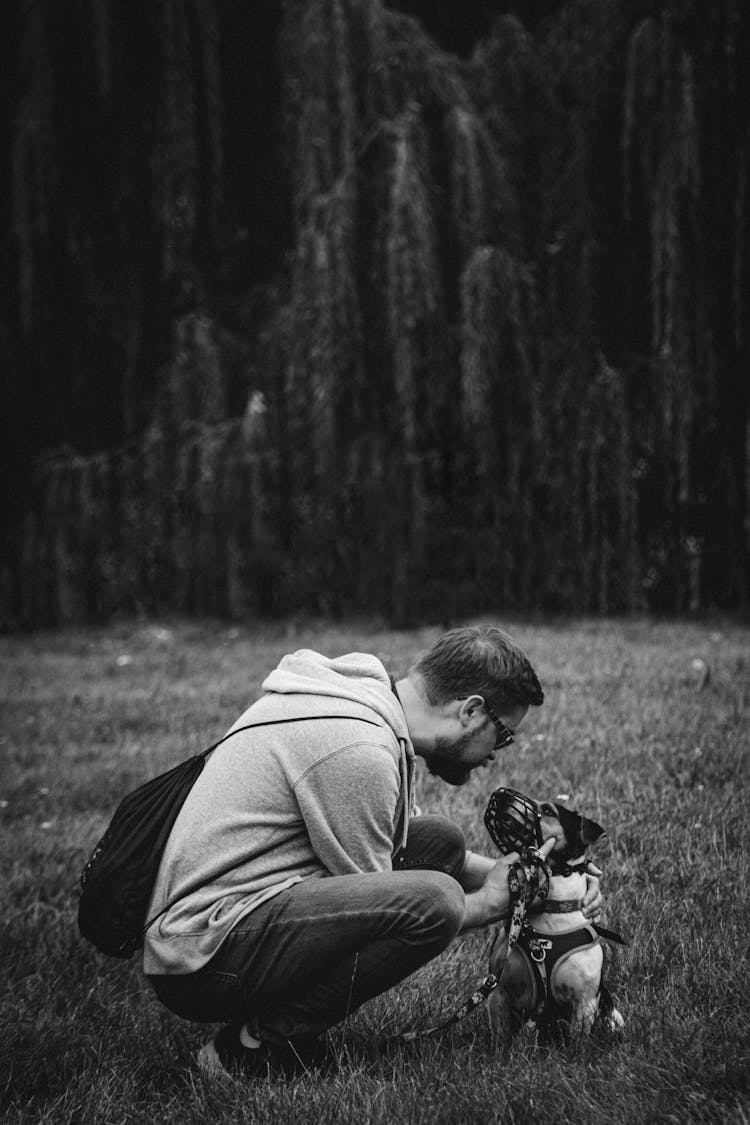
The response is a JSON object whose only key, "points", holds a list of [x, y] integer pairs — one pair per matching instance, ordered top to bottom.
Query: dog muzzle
{"points": [[513, 821]]}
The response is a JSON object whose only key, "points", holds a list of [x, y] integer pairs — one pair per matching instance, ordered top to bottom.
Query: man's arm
{"points": [[476, 869], [490, 902]]}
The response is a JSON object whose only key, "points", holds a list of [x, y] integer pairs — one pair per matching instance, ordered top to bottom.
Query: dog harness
{"points": [[542, 955]]}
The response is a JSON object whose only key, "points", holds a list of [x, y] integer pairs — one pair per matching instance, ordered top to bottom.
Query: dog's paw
{"points": [[613, 1022]]}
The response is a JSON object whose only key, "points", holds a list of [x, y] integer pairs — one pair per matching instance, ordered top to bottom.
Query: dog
{"points": [[553, 977]]}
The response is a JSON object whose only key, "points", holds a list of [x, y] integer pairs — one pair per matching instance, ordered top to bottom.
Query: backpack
{"points": [[118, 880]]}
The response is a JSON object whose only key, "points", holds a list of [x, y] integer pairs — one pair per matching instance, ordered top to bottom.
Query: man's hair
{"points": [[479, 660]]}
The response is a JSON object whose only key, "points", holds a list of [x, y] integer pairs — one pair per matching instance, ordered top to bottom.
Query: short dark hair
{"points": [[479, 660]]}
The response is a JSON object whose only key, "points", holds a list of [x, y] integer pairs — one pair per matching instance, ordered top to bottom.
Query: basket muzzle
{"points": [[513, 821]]}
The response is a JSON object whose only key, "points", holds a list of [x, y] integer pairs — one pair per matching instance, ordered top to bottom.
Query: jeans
{"points": [[305, 959]]}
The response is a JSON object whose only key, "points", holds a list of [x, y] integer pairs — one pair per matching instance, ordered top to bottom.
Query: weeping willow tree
{"points": [[686, 72], [105, 227], [371, 325]]}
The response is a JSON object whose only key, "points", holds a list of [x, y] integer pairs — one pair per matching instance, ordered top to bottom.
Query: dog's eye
{"points": [[548, 809]]}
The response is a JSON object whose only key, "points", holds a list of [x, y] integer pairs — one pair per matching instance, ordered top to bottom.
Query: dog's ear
{"points": [[567, 817], [571, 823], [591, 831]]}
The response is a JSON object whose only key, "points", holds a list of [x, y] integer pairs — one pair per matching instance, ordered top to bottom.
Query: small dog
{"points": [[553, 976]]}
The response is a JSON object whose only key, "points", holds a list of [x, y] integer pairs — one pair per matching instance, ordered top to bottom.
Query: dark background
{"points": [[420, 309]]}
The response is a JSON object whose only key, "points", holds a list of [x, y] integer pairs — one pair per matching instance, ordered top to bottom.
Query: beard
{"points": [[443, 762], [449, 771]]}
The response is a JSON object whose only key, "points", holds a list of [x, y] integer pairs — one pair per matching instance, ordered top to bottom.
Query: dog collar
{"points": [[564, 869], [560, 906]]}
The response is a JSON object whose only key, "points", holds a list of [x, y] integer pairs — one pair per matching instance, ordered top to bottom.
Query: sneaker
{"points": [[226, 1054]]}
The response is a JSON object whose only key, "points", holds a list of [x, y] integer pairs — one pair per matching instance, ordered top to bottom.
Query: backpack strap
{"points": [[278, 722]]}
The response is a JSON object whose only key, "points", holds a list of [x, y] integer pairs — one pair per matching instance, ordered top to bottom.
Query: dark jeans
{"points": [[305, 959]]}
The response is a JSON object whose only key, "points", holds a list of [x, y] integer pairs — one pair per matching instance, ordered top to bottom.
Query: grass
{"points": [[632, 729]]}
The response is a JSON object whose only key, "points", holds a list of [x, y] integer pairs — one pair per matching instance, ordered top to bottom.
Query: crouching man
{"points": [[301, 881]]}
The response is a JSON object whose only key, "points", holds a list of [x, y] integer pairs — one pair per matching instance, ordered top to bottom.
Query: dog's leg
{"points": [[577, 983], [513, 997], [498, 1005], [583, 1014], [500, 1015]]}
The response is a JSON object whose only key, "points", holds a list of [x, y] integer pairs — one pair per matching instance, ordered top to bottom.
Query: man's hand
{"points": [[592, 900], [492, 901]]}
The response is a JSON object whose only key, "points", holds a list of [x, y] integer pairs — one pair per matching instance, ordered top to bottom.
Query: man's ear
{"points": [[470, 707]]}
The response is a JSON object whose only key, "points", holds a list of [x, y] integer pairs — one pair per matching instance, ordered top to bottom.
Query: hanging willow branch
{"points": [[101, 21], [208, 34], [321, 101], [660, 112], [177, 151], [35, 170], [469, 195], [739, 263], [412, 287], [479, 354], [495, 357], [323, 369], [605, 459]]}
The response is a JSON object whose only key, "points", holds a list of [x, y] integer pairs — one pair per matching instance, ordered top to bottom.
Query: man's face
{"points": [[454, 757]]}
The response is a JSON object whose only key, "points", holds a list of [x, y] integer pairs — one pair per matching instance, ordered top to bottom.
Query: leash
{"points": [[528, 879], [488, 985]]}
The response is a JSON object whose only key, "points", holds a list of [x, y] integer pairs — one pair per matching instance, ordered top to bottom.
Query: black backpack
{"points": [[118, 880]]}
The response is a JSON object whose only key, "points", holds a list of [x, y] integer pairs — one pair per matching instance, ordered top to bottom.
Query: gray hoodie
{"points": [[281, 803]]}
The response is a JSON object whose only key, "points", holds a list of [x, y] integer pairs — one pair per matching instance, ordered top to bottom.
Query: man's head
{"points": [[464, 698]]}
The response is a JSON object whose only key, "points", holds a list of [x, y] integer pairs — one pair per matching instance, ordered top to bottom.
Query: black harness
{"points": [[542, 955]]}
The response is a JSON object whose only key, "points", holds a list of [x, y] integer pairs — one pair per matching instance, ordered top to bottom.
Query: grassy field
{"points": [[645, 726]]}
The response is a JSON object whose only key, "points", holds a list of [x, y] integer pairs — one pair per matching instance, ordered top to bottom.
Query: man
{"points": [[302, 881]]}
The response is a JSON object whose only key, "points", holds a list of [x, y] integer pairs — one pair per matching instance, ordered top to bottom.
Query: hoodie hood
{"points": [[357, 678]]}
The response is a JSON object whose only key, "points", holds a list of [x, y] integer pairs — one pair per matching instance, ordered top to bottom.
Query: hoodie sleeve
{"points": [[349, 803]]}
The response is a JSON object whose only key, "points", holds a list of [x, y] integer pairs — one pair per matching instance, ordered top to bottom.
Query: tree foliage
{"points": [[360, 321]]}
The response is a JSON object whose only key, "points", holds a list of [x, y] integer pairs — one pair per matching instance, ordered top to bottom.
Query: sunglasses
{"points": [[503, 736]]}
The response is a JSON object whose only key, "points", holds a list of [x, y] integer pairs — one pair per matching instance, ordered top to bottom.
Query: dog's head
{"points": [[573, 833]]}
